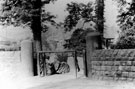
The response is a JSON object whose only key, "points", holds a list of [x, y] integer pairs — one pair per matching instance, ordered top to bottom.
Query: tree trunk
{"points": [[100, 17], [37, 28]]}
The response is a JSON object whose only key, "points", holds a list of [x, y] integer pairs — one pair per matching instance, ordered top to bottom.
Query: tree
{"points": [[18, 12], [76, 12], [89, 12], [100, 15], [126, 17], [100, 20], [126, 21], [126, 40], [77, 41]]}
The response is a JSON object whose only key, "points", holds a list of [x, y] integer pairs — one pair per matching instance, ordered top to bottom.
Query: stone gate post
{"points": [[91, 45], [26, 58]]}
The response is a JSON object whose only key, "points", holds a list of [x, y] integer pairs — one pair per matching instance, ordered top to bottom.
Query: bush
{"points": [[62, 57]]}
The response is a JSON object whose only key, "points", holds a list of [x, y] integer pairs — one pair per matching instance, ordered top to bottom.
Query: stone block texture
{"points": [[116, 64]]}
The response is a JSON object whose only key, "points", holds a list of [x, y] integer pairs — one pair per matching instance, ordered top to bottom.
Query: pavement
{"points": [[65, 81], [26, 83], [86, 83]]}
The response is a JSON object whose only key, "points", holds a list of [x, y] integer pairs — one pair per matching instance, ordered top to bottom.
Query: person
{"points": [[76, 62], [77, 65]]}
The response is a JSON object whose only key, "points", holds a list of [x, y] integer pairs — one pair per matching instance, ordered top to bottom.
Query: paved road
{"points": [[87, 84]]}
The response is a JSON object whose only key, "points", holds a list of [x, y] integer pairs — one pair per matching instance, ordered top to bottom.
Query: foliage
{"points": [[18, 12], [76, 12], [88, 12], [99, 13], [126, 17], [126, 20], [126, 39], [77, 40], [62, 57]]}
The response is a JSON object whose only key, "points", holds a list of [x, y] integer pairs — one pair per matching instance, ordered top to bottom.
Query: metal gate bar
{"points": [[41, 61]]}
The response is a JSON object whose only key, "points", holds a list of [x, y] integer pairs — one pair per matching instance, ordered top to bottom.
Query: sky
{"points": [[58, 8]]}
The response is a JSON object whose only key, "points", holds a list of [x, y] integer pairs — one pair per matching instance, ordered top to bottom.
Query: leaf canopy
{"points": [[18, 12]]}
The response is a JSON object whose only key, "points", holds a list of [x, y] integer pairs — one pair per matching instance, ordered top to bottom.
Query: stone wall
{"points": [[10, 64], [17, 64], [113, 64]]}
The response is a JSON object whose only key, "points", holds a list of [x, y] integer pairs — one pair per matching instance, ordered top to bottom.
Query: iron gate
{"points": [[41, 62]]}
